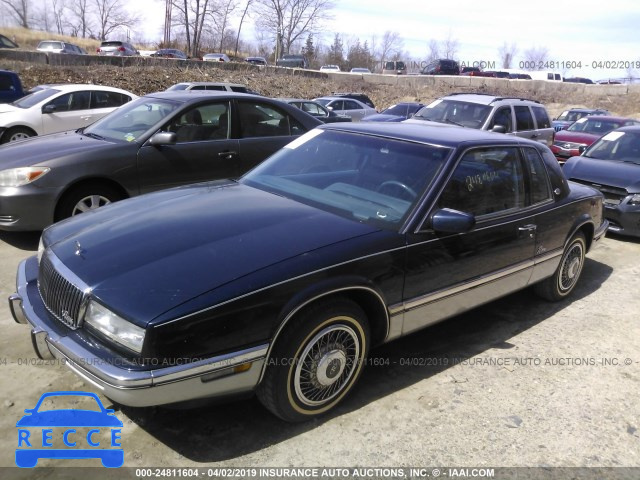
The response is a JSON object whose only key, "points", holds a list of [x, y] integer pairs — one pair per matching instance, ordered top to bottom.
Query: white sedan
{"points": [[346, 106], [57, 109]]}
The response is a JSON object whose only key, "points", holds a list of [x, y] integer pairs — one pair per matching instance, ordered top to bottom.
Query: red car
{"points": [[584, 132]]}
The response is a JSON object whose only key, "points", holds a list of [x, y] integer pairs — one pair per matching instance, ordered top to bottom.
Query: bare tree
{"points": [[20, 10], [245, 12], [112, 15], [191, 16], [79, 18], [221, 19], [291, 19], [390, 45], [450, 47], [434, 50], [507, 54], [535, 57]]}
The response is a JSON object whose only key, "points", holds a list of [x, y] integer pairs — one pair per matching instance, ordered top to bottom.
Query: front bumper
{"points": [[26, 208], [623, 219], [220, 376]]}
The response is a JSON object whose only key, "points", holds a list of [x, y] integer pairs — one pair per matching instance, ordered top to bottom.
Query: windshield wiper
{"points": [[448, 120], [93, 135]]}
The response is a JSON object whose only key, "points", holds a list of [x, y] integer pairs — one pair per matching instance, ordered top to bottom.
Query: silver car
{"points": [[56, 46], [117, 48], [346, 106], [515, 116]]}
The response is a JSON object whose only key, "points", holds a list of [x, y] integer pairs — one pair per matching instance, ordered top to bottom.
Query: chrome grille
{"points": [[63, 299]]}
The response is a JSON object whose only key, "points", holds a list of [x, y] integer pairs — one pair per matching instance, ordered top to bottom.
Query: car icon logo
{"points": [[70, 433]]}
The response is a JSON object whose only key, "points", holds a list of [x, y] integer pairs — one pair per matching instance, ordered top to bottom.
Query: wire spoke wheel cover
{"points": [[90, 202], [572, 263], [326, 364]]}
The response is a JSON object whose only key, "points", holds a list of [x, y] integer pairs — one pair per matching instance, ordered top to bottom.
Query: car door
{"points": [[102, 103], [354, 110], [69, 111], [525, 126], [262, 129], [544, 129], [203, 150], [449, 273]]}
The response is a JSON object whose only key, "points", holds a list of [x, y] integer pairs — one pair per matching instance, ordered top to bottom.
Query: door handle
{"points": [[535, 135], [228, 155], [527, 230]]}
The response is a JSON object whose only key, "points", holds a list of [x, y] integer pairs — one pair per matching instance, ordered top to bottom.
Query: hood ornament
{"points": [[79, 250]]}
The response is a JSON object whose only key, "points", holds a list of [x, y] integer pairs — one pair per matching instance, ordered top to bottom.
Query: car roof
{"points": [[213, 84], [72, 87], [188, 96], [482, 98], [609, 118], [430, 133]]}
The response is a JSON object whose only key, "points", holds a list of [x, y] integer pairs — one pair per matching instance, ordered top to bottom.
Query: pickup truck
{"points": [[293, 61], [10, 87]]}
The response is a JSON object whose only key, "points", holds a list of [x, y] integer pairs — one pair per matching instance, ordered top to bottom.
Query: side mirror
{"points": [[49, 109], [330, 109], [499, 129], [163, 138], [582, 148], [447, 220]]}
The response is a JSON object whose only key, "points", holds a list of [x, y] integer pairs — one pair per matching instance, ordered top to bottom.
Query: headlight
{"points": [[16, 177], [634, 200], [40, 249], [114, 327]]}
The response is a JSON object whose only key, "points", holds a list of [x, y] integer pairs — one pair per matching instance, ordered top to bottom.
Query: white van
{"points": [[549, 75]]}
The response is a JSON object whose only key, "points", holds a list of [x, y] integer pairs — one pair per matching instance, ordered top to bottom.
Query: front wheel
{"points": [[17, 133], [85, 198], [566, 276], [316, 361]]}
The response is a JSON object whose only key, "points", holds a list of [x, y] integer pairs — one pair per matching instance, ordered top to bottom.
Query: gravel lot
{"points": [[518, 382]]}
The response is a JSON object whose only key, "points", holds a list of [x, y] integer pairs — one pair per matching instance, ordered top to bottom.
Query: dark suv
{"points": [[442, 66], [567, 117]]}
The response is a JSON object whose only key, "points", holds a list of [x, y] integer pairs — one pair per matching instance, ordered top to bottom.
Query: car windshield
{"points": [[35, 98], [400, 110], [464, 114], [569, 116], [129, 122], [594, 125], [619, 146], [365, 178]]}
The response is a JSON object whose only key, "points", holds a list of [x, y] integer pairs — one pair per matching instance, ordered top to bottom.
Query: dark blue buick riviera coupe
{"points": [[281, 282]]}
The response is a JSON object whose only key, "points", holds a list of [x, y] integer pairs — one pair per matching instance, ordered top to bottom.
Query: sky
{"points": [[588, 38]]}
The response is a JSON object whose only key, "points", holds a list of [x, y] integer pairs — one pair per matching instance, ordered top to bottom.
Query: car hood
{"points": [[8, 108], [383, 117], [577, 137], [39, 150], [604, 172], [171, 246]]}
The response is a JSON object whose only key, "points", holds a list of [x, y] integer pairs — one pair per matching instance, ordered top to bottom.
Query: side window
{"points": [[6, 85], [199, 87], [219, 88], [101, 99], [62, 103], [337, 105], [349, 105], [312, 109], [503, 117], [542, 118], [262, 120], [524, 120], [201, 123], [486, 181]]}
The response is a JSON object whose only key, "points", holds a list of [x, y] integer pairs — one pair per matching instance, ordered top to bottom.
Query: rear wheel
{"points": [[17, 133], [85, 198], [566, 276], [316, 361]]}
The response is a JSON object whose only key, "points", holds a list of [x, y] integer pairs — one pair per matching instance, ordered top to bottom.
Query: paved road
{"points": [[518, 382]]}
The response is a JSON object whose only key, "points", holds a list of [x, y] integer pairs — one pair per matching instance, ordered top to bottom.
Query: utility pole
{"points": [[167, 24]]}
